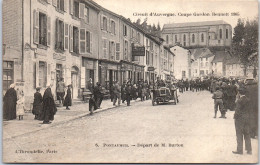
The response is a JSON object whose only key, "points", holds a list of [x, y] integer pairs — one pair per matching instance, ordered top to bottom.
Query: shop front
{"points": [[89, 72], [126, 72], [108, 73], [138, 73], [151, 74]]}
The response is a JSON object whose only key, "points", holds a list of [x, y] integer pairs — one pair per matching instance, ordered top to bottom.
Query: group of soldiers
{"points": [[193, 85]]}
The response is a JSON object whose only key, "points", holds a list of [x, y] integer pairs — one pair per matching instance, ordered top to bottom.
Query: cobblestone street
{"points": [[131, 134]]}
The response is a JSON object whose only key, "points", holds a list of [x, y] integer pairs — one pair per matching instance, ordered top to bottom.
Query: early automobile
{"points": [[164, 95]]}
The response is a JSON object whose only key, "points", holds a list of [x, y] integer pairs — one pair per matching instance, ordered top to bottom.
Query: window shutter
{"points": [[49, 1], [54, 3], [66, 5], [71, 7], [81, 10], [86, 17], [101, 22], [109, 25], [36, 27], [115, 28], [124, 30], [48, 31], [57, 34], [66, 36], [71, 38], [91, 39], [82, 41], [107, 44], [105, 48], [109, 50], [117, 51], [82, 77]]}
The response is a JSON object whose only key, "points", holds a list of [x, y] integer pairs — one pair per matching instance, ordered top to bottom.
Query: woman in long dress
{"points": [[10, 99], [67, 101], [37, 104], [49, 107]]}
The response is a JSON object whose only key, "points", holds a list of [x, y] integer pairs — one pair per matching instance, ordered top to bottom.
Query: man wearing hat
{"points": [[242, 124]]}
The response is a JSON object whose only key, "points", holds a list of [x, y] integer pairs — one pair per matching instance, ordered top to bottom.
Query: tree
{"points": [[138, 21], [158, 27], [154, 28], [245, 43]]}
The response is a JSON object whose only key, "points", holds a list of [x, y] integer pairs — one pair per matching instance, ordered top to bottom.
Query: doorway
{"points": [[74, 82]]}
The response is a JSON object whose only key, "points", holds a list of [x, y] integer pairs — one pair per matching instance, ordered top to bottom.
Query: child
{"points": [[67, 101], [20, 106]]}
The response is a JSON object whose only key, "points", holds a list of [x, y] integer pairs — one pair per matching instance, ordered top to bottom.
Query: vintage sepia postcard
{"points": [[140, 81]]}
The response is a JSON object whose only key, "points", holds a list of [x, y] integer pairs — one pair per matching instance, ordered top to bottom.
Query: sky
{"points": [[183, 10]]}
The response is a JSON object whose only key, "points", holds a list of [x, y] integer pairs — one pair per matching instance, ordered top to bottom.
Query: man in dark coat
{"points": [[224, 88], [128, 93], [231, 94], [98, 95], [252, 95], [123, 96], [10, 99], [68, 101], [37, 104], [49, 107], [242, 125]]}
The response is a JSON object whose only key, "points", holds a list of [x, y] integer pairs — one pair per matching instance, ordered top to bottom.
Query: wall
{"points": [[212, 31], [12, 38], [181, 62]]}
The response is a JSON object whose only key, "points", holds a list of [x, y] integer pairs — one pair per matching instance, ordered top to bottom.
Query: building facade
{"points": [[198, 34], [78, 41], [182, 62], [201, 64]]}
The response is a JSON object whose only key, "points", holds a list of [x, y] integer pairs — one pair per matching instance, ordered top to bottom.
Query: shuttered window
{"points": [[41, 28], [59, 35], [66, 36], [75, 39], [82, 41], [89, 42], [104, 42], [117, 51]]}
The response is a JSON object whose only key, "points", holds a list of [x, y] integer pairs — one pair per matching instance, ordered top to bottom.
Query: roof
{"points": [[193, 24], [168, 48], [201, 53], [220, 56], [233, 60]]}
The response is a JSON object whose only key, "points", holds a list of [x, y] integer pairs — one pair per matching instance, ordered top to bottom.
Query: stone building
{"points": [[198, 34], [54, 38], [77, 40], [182, 62], [201, 62]]}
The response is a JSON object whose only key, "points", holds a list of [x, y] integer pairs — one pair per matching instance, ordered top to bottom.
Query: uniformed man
{"points": [[218, 102], [242, 124]]}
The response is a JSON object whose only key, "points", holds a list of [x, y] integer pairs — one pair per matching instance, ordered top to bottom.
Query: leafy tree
{"points": [[245, 43]]}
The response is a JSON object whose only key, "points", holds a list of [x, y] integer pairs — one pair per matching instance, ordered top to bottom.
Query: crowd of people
{"points": [[119, 93], [228, 94], [44, 107]]}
